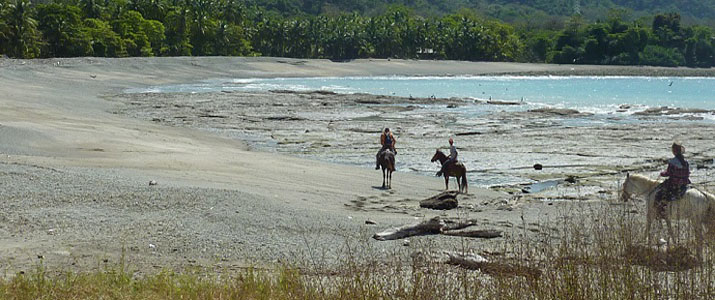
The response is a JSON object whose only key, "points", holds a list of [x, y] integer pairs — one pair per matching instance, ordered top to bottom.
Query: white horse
{"points": [[696, 206]]}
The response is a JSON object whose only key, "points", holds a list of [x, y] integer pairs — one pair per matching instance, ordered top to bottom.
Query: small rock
{"points": [[538, 167], [570, 179], [152, 182], [370, 222], [51, 231], [406, 243], [152, 246], [40, 257]]}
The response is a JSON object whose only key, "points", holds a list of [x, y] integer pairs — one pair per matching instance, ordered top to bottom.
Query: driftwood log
{"points": [[435, 225], [431, 226], [485, 234], [472, 261]]}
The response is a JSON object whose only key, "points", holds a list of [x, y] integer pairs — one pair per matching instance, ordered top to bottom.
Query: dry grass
{"points": [[593, 254]]}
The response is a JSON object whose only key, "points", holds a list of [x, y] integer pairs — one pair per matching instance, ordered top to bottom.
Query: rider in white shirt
{"points": [[452, 157]]}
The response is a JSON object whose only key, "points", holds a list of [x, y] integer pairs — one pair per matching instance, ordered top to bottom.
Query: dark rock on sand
{"points": [[664, 110], [558, 111], [443, 201]]}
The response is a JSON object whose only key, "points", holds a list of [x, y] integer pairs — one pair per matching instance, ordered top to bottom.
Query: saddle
{"points": [[664, 195]]}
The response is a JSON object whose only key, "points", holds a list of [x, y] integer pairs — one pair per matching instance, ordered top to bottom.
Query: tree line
{"points": [[122, 28]]}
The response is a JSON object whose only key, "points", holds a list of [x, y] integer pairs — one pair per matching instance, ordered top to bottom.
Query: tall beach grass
{"points": [[588, 253]]}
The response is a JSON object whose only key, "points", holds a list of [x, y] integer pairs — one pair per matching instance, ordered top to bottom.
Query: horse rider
{"points": [[387, 140], [452, 157], [678, 174]]}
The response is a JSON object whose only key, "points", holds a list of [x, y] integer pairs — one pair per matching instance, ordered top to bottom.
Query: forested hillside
{"points": [[691, 11], [119, 28]]}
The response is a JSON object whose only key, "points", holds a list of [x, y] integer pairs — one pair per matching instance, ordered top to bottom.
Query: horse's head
{"points": [[437, 156], [627, 188]]}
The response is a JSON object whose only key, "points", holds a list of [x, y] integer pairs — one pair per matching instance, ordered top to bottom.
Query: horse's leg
{"points": [[383, 177], [389, 179], [446, 182], [464, 183], [648, 223], [698, 226], [671, 235]]}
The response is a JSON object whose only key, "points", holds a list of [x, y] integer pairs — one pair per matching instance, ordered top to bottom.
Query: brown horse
{"points": [[387, 162], [455, 170]]}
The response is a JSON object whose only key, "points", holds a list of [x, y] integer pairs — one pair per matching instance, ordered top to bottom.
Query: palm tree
{"points": [[90, 9], [23, 36]]}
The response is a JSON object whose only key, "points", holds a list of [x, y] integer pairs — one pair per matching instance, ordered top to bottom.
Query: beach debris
{"points": [[93, 76], [468, 133], [538, 167], [570, 179], [152, 182], [442, 201], [370, 222], [436, 225], [431, 226], [51, 231], [485, 234], [662, 242], [406, 243], [152, 246], [660, 259], [473, 261], [494, 268]]}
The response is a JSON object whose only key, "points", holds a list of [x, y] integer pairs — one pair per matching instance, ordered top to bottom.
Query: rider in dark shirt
{"points": [[387, 140], [678, 174]]}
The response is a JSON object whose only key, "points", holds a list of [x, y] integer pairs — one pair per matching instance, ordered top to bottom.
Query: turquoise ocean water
{"points": [[599, 95]]}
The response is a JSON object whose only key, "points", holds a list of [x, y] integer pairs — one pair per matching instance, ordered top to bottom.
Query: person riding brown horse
{"points": [[387, 140], [452, 158], [386, 159], [457, 170]]}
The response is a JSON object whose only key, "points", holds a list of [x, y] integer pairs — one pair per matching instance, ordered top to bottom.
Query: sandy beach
{"points": [[78, 153]]}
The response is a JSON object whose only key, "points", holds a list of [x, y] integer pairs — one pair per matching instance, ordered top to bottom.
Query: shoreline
{"points": [[371, 67]]}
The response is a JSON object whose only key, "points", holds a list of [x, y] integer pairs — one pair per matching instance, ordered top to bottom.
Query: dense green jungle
{"points": [[613, 32]]}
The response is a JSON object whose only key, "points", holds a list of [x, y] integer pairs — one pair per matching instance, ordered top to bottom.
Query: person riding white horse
{"points": [[678, 174]]}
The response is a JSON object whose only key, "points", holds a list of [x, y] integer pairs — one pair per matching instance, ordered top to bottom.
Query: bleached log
{"points": [[435, 225], [431, 226]]}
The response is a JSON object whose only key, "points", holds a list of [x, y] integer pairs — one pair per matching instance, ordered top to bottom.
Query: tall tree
{"points": [[63, 31], [22, 34]]}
